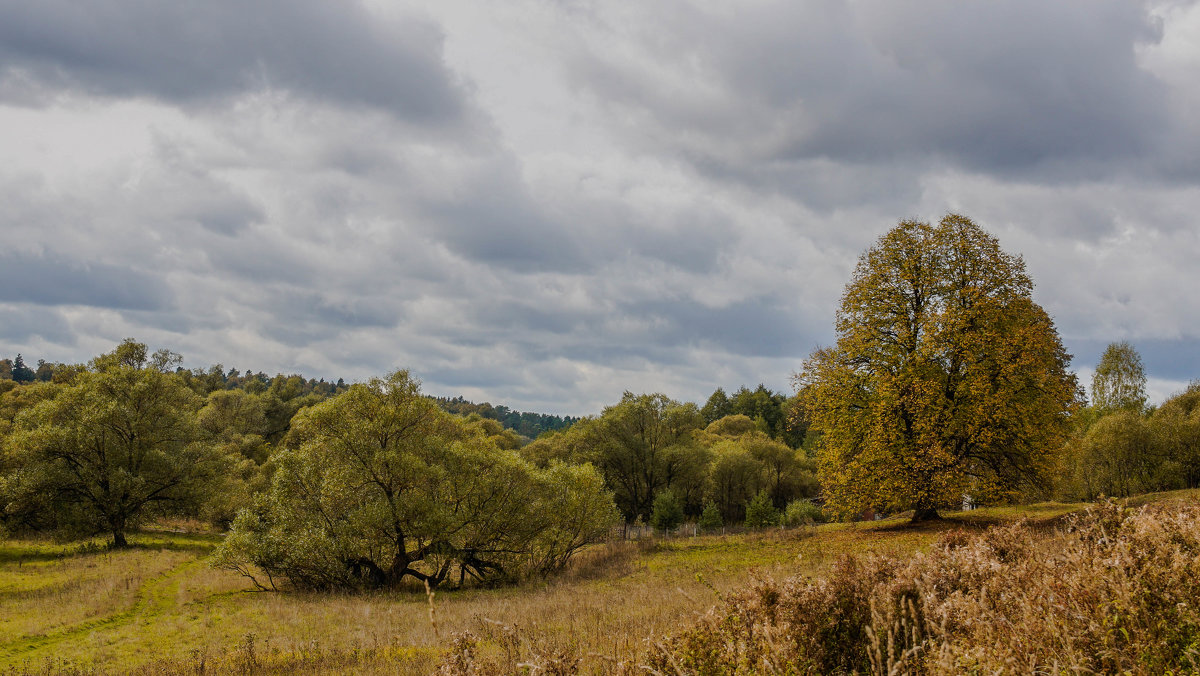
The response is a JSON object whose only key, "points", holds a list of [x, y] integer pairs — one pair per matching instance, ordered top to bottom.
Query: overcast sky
{"points": [[544, 203]]}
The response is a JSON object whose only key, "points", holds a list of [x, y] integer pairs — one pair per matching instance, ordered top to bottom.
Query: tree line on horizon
{"points": [[216, 377]]}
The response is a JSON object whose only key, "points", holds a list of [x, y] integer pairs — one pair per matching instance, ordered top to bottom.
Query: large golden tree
{"points": [[946, 380]]}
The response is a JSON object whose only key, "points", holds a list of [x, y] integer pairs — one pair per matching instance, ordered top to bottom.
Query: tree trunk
{"points": [[925, 514], [119, 540], [366, 571]]}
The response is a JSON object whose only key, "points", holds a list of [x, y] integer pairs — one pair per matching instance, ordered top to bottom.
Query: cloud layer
{"points": [[547, 203]]}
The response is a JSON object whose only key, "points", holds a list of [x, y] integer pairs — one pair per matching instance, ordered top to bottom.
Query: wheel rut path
{"points": [[153, 599]]}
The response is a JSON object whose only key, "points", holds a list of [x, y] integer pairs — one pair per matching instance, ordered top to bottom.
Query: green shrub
{"points": [[760, 512], [667, 513], [802, 513], [710, 518]]}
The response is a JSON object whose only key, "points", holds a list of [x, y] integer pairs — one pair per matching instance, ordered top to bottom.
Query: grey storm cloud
{"points": [[191, 51], [998, 87], [183, 193], [546, 204], [492, 219], [499, 226], [50, 279], [22, 324], [757, 327]]}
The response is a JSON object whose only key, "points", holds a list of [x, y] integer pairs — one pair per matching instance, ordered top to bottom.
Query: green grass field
{"points": [[157, 607]]}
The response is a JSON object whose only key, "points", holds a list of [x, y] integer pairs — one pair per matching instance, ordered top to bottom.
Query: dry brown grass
{"points": [[604, 611]]}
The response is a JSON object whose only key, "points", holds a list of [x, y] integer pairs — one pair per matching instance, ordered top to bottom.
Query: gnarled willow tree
{"points": [[946, 379], [383, 486]]}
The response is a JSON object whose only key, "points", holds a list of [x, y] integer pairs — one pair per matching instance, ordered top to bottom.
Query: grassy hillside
{"points": [[159, 608]]}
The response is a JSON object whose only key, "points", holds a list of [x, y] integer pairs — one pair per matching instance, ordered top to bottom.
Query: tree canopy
{"points": [[946, 378], [1119, 382], [641, 445], [104, 451], [383, 485]]}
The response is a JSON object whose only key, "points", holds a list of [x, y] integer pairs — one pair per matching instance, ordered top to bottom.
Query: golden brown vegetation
{"points": [[1111, 590], [669, 604]]}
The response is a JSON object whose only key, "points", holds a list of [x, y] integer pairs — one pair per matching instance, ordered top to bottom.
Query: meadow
{"points": [[158, 607]]}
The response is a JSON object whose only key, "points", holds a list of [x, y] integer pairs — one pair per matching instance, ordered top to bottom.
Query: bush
{"points": [[760, 512], [667, 513], [802, 513], [710, 518], [1113, 591]]}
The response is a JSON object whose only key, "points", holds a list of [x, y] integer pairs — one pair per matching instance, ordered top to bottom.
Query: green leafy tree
{"points": [[946, 379], [1119, 383], [285, 397], [761, 403], [234, 422], [794, 422], [735, 425], [1177, 426], [504, 437], [118, 445], [642, 445], [561, 446], [1126, 452], [1120, 456], [786, 475], [734, 476], [382, 485], [25, 500], [573, 509], [667, 512], [803, 513]]}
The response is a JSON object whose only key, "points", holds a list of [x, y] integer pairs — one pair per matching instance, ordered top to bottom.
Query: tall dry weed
{"points": [[1110, 590]]}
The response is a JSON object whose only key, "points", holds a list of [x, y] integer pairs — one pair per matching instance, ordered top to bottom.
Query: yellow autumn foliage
{"points": [[946, 379]]}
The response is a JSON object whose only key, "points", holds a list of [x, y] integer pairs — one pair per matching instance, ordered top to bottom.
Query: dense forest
{"points": [[526, 424], [721, 455], [659, 457], [406, 485]]}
